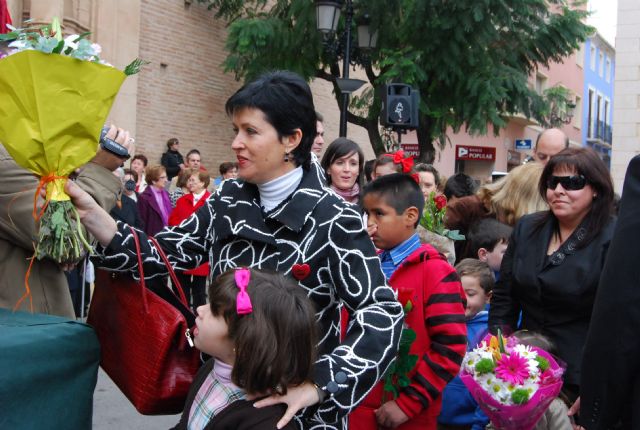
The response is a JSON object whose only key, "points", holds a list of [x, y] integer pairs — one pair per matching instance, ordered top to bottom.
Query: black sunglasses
{"points": [[571, 183]]}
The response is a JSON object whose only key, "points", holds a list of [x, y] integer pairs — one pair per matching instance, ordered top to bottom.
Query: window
{"points": [[580, 56], [592, 58], [601, 64], [608, 71], [541, 83], [577, 112], [605, 113], [590, 114], [598, 123]]}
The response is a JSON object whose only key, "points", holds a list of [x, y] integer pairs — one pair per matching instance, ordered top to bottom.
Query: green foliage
{"points": [[470, 59], [543, 363], [485, 365], [520, 396]]}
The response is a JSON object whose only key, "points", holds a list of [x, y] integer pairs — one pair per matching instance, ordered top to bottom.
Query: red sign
{"points": [[411, 149], [478, 153]]}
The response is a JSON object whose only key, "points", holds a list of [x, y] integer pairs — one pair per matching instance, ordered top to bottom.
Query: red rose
{"points": [[440, 201]]}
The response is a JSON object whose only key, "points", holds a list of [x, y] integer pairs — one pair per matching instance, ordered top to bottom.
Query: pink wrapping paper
{"points": [[517, 417]]}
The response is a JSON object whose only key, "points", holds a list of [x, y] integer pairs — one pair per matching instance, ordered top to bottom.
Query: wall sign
{"points": [[478, 153]]}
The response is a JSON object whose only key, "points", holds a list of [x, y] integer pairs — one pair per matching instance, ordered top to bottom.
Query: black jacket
{"points": [[171, 160], [127, 212], [322, 238], [556, 293], [610, 380], [239, 415]]}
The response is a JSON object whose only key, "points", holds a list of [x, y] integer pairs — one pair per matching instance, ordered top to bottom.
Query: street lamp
{"points": [[327, 17]]}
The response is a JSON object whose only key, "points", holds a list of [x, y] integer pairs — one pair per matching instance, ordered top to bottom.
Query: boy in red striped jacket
{"points": [[434, 337]]}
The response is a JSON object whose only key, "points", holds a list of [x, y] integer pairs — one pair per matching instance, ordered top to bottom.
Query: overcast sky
{"points": [[603, 17]]}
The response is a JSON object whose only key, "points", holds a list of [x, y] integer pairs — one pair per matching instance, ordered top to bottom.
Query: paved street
{"points": [[112, 410]]}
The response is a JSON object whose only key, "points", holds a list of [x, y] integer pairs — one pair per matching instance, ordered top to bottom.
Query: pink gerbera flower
{"points": [[512, 368]]}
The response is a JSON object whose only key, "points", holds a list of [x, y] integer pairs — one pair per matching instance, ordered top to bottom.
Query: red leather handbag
{"points": [[142, 338]]}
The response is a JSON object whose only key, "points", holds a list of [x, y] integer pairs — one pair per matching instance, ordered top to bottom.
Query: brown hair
{"points": [[172, 142], [140, 157], [384, 159], [226, 166], [153, 173], [184, 176], [203, 176], [479, 270], [275, 344]]}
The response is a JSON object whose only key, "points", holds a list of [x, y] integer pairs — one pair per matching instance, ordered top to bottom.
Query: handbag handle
{"points": [[136, 241], [172, 273]]}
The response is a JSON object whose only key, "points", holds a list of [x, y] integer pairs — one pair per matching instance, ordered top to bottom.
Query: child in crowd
{"points": [[395, 162], [487, 241], [422, 276], [260, 329], [459, 409], [556, 416]]}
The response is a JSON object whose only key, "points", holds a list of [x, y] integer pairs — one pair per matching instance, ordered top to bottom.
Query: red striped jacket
{"points": [[437, 317]]}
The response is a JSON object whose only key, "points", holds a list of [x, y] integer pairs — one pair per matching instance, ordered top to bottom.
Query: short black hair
{"points": [[286, 101], [424, 167], [459, 185], [399, 190], [487, 233], [479, 270]]}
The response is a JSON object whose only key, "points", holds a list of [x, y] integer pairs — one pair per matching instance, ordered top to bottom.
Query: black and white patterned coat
{"points": [[312, 227]]}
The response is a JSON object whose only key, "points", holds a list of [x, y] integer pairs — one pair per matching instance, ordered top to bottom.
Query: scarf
{"points": [[351, 195]]}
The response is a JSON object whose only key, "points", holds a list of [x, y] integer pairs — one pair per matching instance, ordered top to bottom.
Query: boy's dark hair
{"points": [[287, 103], [226, 166], [424, 167], [459, 185], [399, 190], [487, 233], [479, 270], [275, 344]]}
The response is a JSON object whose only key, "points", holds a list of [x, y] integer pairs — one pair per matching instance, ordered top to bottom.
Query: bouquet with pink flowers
{"points": [[514, 384]]}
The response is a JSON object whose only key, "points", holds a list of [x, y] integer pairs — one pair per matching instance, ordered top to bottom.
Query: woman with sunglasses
{"points": [[551, 268]]}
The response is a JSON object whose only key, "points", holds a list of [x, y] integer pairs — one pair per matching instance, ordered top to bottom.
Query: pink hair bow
{"points": [[399, 158], [243, 301]]}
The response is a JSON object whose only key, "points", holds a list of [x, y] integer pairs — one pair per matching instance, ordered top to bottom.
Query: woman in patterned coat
{"points": [[281, 216]]}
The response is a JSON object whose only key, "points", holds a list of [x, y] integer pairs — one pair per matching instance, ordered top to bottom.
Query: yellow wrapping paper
{"points": [[52, 109]]}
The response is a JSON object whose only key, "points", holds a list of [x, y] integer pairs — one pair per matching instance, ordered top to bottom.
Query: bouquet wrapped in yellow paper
{"points": [[56, 95]]}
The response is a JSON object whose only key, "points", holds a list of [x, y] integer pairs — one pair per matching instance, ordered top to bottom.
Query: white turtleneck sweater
{"points": [[272, 193]]}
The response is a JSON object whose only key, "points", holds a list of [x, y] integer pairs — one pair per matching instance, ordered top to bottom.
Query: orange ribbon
{"points": [[44, 181], [37, 215]]}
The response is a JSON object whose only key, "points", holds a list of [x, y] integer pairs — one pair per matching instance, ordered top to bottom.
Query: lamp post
{"points": [[327, 18]]}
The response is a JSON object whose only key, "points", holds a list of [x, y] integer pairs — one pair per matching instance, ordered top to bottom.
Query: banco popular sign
{"points": [[480, 153]]}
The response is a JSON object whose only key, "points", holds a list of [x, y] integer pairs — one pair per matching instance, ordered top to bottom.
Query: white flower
{"points": [[70, 42], [20, 45], [97, 49]]}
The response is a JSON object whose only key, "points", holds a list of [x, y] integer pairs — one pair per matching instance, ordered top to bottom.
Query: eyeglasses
{"points": [[571, 183]]}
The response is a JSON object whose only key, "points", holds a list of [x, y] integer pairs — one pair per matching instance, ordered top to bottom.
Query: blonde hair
{"points": [[514, 195]]}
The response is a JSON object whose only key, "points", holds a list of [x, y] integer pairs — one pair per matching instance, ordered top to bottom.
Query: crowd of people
{"points": [[326, 260]]}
